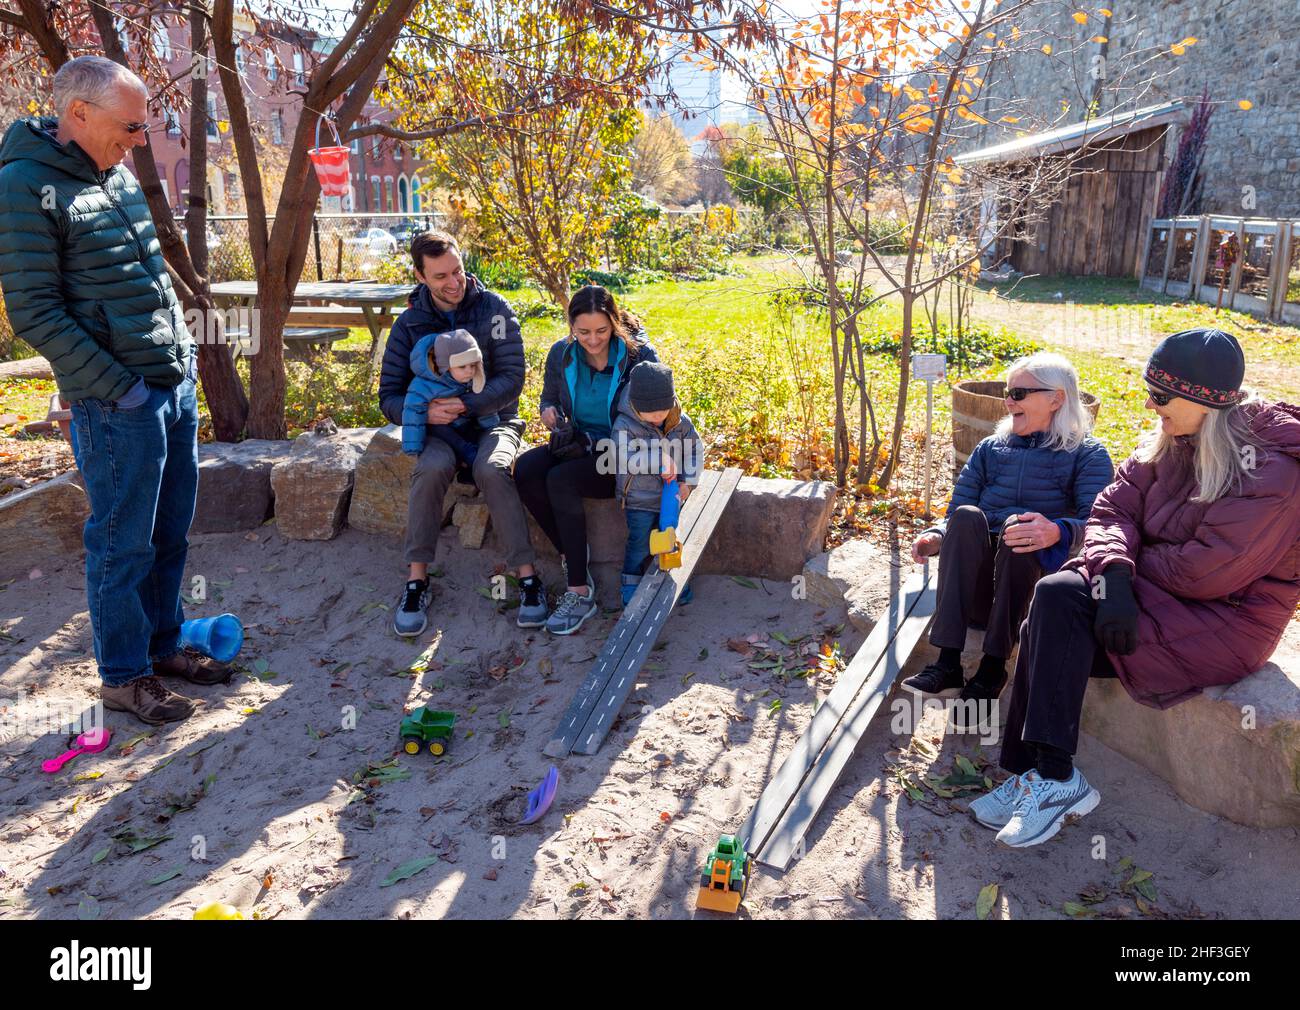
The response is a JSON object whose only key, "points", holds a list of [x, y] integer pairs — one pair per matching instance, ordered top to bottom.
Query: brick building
{"points": [[386, 175]]}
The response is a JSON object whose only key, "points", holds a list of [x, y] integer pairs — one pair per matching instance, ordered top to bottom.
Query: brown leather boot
{"points": [[194, 667], [147, 700]]}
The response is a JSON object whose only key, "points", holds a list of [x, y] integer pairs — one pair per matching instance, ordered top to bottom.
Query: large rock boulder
{"points": [[235, 484], [382, 485], [313, 486], [41, 526], [770, 528], [858, 575], [1234, 751]]}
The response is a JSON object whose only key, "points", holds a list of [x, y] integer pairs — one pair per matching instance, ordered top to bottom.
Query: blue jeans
{"points": [[141, 470], [637, 553]]}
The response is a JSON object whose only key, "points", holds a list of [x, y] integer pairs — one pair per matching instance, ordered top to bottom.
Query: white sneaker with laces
{"points": [[1043, 805], [995, 807]]}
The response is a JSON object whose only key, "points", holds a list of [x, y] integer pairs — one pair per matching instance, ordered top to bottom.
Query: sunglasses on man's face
{"points": [[129, 127], [1018, 393], [1159, 399]]}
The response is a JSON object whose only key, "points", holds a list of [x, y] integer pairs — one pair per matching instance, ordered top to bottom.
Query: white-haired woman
{"points": [[1016, 512], [1189, 573]]}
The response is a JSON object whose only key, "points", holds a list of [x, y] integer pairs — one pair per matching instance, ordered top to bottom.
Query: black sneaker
{"points": [[532, 603], [410, 619], [937, 679], [974, 708]]}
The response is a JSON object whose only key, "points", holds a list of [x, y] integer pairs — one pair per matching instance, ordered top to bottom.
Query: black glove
{"points": [[567, 441], [1117, 611]]}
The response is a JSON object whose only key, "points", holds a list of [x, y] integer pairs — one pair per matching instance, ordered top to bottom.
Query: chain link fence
{"points": [[343, 247]]}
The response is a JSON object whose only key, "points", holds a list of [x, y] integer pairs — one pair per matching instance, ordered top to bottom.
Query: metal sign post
{"points": [[929, 367]]}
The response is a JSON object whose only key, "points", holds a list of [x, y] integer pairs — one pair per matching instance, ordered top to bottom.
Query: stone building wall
{"points": [[1245, 49]]}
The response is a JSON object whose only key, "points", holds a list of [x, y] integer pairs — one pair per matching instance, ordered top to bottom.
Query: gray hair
{"points": [[90, 79], [1071, 422], [1223, 446]]}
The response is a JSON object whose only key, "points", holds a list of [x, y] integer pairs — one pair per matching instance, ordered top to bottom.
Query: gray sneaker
{"points": [[532, 603], [572, 611], [410, 619], [994, 808]]}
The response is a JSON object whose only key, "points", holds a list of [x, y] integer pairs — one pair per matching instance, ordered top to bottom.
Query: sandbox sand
{"points": [[294, 815]]}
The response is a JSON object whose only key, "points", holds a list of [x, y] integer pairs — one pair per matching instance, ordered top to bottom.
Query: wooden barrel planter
{"points": [[977, 407]]}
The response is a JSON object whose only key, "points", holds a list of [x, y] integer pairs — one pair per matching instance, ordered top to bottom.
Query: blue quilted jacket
{"points": [[427, 386], [1006, 476]]}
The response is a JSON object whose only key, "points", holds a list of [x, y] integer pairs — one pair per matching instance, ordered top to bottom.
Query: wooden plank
{"points": [[1102, 219], [1077, 228], [1147, 237], [1117, 238], [326, 315], [649, 617], [602, 670], [826, 721], [786, 838]]}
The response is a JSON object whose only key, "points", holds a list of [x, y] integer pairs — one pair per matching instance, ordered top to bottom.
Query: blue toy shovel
{"points": [[663, 541], [219, 637], [539, 800]]}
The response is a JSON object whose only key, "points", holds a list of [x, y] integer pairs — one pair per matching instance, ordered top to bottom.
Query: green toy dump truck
{"points": [[427, 726], [726, 876]]}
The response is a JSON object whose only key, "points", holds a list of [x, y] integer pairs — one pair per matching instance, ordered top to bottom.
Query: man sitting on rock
{"points": [[85, 284], [447, 300]]}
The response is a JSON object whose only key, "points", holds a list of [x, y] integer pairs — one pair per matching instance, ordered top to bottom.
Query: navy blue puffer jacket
{"points": [[494, 325], [1017, 473]]}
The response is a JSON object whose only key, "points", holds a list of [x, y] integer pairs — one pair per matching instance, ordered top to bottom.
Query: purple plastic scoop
{"points": [[539, 800]]}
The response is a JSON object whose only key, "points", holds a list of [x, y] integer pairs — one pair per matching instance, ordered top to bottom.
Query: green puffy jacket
{"points": [[82, 272]]}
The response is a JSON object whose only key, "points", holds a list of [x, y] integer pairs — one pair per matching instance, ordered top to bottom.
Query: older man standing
{"points": [[85, 284]]}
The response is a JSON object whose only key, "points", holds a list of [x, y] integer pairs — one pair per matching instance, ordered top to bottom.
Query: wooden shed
{"points": [[1099, 223]]}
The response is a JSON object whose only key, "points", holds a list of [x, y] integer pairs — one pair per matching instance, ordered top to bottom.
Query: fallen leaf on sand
{"points": [[741, 646]]}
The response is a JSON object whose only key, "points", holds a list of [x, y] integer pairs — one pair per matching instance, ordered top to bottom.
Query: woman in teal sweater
{"points": [[584, 377]]}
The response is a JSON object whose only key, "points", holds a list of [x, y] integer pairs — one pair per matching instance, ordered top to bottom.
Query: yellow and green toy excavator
{"points": [[725, 879]]}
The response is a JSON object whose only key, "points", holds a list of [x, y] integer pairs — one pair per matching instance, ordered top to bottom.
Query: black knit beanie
{"points": [[1205, 366], [651, 387]]}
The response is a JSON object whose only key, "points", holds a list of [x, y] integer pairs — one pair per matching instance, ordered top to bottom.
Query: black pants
{"points": [[553, 493], [982, 581], [1058, 653]]}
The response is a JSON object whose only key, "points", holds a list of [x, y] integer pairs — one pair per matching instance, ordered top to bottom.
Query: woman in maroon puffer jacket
{"points": [[1189, 572]]}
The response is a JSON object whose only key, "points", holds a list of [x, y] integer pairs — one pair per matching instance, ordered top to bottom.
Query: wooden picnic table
{"points": [[349, 303]]}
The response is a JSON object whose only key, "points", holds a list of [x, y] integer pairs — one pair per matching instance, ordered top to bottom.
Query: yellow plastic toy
{"points": [[217, 910]]}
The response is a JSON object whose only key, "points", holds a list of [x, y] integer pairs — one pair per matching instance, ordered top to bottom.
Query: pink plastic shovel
{"points": [[86, 743]]}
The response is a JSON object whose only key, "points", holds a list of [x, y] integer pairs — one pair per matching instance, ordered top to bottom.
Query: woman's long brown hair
{"points": [[594, 298]]}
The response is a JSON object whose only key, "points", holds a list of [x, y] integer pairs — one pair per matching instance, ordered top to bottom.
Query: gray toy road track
{"points": [[610, 680], [774, 831]]}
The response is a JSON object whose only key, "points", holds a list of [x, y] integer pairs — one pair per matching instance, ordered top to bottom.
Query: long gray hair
{"points": [[1071, 422], [1224, 455]]}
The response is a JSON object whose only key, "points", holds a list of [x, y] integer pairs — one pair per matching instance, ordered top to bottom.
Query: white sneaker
{"points": [[1042, 806], [995, 808]]}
